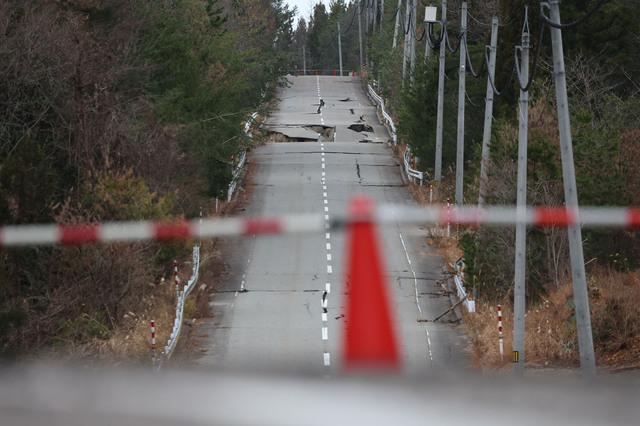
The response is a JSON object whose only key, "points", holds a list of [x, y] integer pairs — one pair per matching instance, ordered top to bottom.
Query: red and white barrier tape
{"points": [[110, 232]]}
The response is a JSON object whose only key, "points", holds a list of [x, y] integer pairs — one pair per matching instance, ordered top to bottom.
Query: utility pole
{"points": [[381, 14], [368, 15], [375, 15], [360, 30], [395, 32], [407, 32], [412, 37], [340, 47], [304, 59], [461, 105], [488, 112], [439, 119], [521, 209], [580, 295]]}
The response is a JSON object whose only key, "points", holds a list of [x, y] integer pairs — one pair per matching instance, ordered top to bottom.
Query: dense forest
{"points": [[113, 110]]}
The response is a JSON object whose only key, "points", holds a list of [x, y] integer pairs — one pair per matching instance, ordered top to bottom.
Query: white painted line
{"points": [[323, 159], [323, 165], [323, 174], [324, 187], [324, 194], [326, 201], [326, 209], [326, 217], [328, 234], [328, 246], [329, 257], [329, 269], [415, 283], [328, 287], [324, 302], [324, 317], [325, 333], [327, 358]]}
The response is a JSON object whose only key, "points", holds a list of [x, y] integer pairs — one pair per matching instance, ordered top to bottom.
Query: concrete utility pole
{"points": [[381, 13], [375, 15], [368, 16], [360, 30], [395, 32], [407, 36], [412, 36], [340, 47], [304, 59], [461, 105], [488, 112], [439, 119], [521, 206], [580, 295]]}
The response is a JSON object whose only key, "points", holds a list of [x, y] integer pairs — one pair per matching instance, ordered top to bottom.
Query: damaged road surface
{"points": [[295, 133], [281, 305]]}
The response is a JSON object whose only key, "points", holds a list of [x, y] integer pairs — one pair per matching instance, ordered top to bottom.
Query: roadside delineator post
{"points": [[175, 275], [500, 330], [370, 337], [153, 338]]}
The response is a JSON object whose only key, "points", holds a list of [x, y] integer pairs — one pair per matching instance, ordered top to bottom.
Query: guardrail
{"points": [[388, 121], [238, 168], [411, 172], [236, 175], [458, 278], [178, 321]]}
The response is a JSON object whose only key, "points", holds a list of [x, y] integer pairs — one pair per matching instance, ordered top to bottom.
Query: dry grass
{"points": [[550, 328]]}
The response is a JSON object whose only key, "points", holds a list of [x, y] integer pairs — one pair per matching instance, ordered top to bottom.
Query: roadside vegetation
{"points": [[602, 72], [119, 111]]}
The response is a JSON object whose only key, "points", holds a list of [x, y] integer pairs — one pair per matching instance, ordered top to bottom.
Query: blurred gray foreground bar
{"points": [[41, 395]]}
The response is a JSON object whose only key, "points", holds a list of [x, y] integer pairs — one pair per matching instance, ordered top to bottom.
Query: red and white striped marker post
{"points": [[430, 194], [175, 274], [500, 329], [153, 338]]}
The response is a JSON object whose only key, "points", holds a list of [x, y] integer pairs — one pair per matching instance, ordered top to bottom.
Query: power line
{"points": [[574, 23]]}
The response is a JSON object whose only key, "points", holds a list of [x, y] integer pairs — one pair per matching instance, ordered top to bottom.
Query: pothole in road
{"points": [[361, 128], [303, 134]]}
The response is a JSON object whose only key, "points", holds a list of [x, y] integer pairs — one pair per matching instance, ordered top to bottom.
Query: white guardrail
{"points": [[387, 118], [388, 121], [238, 168], [412, 173], [458, 278], [178, 321]]}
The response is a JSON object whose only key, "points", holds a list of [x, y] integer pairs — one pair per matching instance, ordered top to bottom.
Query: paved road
{"points": [[269, 313]]}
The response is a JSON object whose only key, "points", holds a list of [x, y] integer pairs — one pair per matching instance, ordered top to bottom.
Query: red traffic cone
{"points": [[370, 339]]}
